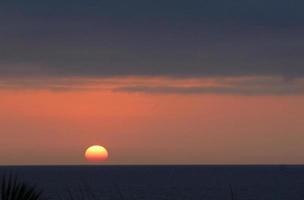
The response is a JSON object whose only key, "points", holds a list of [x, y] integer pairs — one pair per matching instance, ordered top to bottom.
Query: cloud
{"points": [[132, 38], [252, 85], [239, 86], [296, 90]]}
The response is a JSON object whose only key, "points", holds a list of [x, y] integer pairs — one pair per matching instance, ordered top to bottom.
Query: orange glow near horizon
{"points": [[150, 128]]}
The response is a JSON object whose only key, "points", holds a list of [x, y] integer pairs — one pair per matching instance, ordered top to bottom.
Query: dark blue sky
{"points": [[168, 38]]}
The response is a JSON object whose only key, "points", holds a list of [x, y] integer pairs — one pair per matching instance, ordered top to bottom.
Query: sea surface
{"points": [[165, 182]]}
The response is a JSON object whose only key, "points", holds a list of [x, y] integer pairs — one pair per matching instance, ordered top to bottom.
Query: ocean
{"points": [[209, 182]]}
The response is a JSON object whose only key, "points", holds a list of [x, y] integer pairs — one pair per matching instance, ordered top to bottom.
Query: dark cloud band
{"points": [[155, 38]]}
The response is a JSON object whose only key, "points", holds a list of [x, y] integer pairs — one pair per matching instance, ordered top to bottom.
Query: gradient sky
{"points": [[155, 82]]}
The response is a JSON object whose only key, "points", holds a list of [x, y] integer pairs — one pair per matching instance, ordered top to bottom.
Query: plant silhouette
{"points": [[12, 188]]}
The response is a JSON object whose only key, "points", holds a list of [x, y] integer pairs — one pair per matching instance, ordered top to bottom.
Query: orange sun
{"points": [[96, 153]]}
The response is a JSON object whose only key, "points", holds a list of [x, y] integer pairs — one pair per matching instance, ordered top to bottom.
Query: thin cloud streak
{"points": [[251, 85]]}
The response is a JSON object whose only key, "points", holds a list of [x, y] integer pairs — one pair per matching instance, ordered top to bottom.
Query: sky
{"points": [[155, 82]]}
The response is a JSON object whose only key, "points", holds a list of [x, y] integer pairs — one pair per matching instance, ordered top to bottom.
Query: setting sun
{"points": [[96, 153]]}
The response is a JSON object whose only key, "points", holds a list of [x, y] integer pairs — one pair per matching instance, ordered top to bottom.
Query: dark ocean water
{"points": [[167, 182]]}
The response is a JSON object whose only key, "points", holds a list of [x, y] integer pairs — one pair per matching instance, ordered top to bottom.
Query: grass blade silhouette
{"points": [[13, 189], [232, 193]]}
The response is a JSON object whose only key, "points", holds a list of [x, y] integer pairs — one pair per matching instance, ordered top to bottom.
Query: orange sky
{"points": [[43, 126]]}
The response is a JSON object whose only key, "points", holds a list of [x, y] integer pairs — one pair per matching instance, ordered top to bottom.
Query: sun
{"points": [[96, 153]]}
